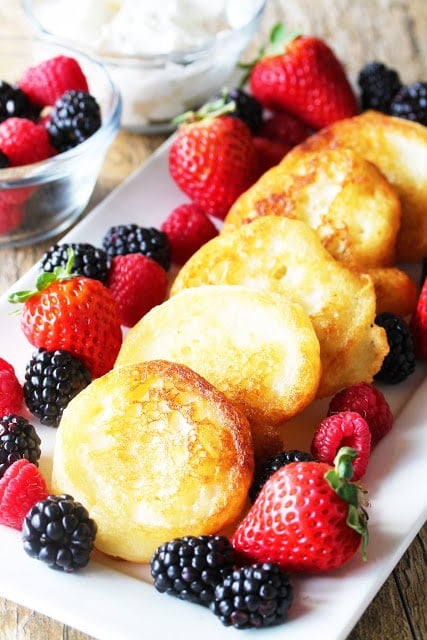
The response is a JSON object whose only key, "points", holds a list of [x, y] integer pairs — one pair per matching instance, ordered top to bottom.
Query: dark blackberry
{"points": [[378, 86], [14, 103], [410, 103], [247, 108], [75, 117], [4, 160], [131, 238], [89, 261], [400, 361], [52, 379], [18, 439], [272, 464], [59, 532], [191, 567], [257, 596]]}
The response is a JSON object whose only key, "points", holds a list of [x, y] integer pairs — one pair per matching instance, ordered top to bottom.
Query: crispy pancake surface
{"points": [[398, 148], [343, 197], [285, 256], [260, 349], [154, 451]]}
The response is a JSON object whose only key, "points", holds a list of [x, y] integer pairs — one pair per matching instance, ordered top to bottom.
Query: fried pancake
{"points": [[398, 148], [343, 197], [286, 256], [395, 290], [257, 347], [154, 452]]}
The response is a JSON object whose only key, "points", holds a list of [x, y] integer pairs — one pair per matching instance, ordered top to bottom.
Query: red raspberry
{"points": [[45, 82], [284, 127], [24, 141], [270, 152], [11, 216], [187, 228], [138, 284], [418, 324], [11, 393], [367, 400], [344, 429], [21, 486]]}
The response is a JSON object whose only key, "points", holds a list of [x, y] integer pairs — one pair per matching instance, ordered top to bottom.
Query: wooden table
{"points": [[386, 30]]}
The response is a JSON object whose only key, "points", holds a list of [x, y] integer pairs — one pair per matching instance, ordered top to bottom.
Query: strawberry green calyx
{"points": [[279, 38], [211, 109], [45, 279], [352, 493]]}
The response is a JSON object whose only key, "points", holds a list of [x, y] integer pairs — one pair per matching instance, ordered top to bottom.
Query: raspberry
{"points": [[46, 81], [284, 127], [24, 141], [269, 152], [187, 228], [137, 284], [418, 324], [399, 363], [11, 394], [367, 400], [343, 429], [18, 439], [272, 464], [21, 487], [189, 568]]}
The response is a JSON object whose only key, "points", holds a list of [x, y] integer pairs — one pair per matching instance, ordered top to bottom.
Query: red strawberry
{"points": [[302, 75], [46, 81], [284, 127], [24, 142], [270, 152], [213, 160], [187, 228], [137, 284], [74, 313], [418, 324], [11, 393], [345, 429], [21, 486], [307, 517]]}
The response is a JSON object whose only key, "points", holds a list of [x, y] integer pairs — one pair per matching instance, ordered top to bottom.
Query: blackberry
{"points": [[378, 84], [14, 103], [410, 103], [247, 108], [75, 117], [4, 160], [131, 238], [89, 261], [400, 361], [52, 379], [18, 439], [272, 464], [59, 532], [191, 567], [257, 596]]}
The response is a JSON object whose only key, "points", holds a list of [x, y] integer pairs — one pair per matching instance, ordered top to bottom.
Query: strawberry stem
{"points": [[211, 109], [46, 278], [352, 493]]}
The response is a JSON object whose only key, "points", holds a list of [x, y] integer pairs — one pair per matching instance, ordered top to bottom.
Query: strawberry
{"points": [[301, 74], [46, 81], [24, 142], [212, 159], [187, 228], [137, 284], [74, 313], [418, 324], [11, 392], [21, 486], [308, 517]]}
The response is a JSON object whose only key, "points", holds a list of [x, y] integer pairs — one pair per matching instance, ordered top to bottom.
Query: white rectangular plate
{"points": [[112, 600]]}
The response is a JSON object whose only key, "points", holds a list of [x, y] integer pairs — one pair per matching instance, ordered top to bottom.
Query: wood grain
{"points": [[393, 31]]}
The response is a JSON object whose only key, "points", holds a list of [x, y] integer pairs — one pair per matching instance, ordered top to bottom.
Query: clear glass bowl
{"points": [[155, 87], [40, 200]]}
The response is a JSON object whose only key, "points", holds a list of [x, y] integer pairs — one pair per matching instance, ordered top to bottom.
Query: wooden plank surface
{"points": [[393, 31]]}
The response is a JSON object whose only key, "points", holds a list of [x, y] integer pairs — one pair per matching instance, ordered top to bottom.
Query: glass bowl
{"points": [[165, 61], [40, 200]]}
